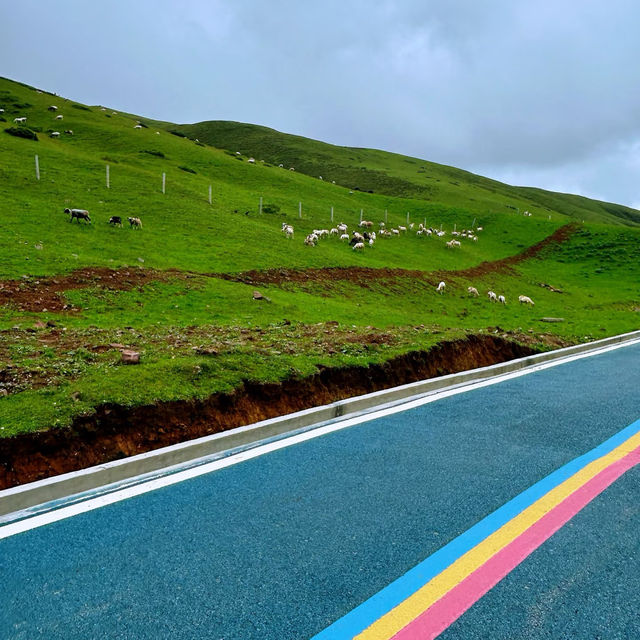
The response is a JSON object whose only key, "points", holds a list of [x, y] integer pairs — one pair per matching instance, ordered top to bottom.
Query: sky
{"points": [[543, 93]]}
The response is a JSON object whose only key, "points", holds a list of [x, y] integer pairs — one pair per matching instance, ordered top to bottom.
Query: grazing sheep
{"points": [[52, 108], [60, 117], [21, 120], [138, 126], [69, 132], [54, 134], [78, 214], [116, 221], [135, 223], [366, 223], [342, 227], [401, 228], [287, 229], [334, 231], [344, 237], [311, 240], [453, 243], [358, 246], [440, 287], [473, 291], [492, 296], [502, 300], [525, 300]]}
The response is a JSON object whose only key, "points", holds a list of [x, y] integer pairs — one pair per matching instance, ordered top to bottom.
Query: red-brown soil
{"points": [[115, 432]]}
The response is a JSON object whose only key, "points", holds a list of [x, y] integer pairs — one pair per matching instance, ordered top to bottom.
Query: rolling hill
{"points": [[216, 299]]}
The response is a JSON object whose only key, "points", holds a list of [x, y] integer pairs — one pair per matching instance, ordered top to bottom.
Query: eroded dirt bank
{"points": [[115, 432]]}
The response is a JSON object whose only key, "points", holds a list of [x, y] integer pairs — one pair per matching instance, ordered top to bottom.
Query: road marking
{"points": [[90, 504], [446, 595], [442, 613]]}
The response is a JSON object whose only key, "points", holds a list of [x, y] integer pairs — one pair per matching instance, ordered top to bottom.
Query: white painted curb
{"points": [[156, 462]]}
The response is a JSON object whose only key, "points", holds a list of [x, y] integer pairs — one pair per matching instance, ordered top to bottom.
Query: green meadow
{"points": [[199, 333]]}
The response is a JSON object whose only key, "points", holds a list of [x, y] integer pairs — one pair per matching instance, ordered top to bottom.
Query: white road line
{"points": [[180, 476]]}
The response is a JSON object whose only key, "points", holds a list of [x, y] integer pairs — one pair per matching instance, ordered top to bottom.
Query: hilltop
{"points": [[224, 309]]}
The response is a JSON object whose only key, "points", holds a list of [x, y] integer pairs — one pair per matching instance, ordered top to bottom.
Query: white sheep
{"points": [[59, 117], [21, 120], [54, 134], [344, 237], [453, 243], [358, 246], [440, 287], [473, 291], [492, 296], [502, 300], [525, 300]]}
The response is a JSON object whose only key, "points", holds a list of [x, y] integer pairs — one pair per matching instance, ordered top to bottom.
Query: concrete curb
{"points": [[155, 462]]}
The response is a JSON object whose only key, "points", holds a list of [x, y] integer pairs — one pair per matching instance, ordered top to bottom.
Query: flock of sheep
{"points": [[115, 221], [359, 240]]}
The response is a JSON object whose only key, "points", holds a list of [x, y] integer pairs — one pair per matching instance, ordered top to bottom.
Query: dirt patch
{"points": [[31, 293], [114, 432]]}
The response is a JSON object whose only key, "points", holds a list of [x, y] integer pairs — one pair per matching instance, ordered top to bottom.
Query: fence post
{"points": [[37, 168], [107, 175], [164, 176], [299, 209], [331, 214], [385, 216], [407, 218]]}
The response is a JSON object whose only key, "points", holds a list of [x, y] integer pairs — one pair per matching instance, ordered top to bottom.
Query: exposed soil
{"points": [[32, 293], [41, 294], [114, 432]]}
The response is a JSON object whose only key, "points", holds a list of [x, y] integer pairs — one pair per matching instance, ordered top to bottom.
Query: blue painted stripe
{"points": [[364, 615]]}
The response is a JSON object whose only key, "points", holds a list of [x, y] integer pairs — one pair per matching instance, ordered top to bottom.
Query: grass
{"points": [[59, 371]]}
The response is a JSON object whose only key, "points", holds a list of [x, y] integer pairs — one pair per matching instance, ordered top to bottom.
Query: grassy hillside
{"points": [[397, 175], [72, 295]]}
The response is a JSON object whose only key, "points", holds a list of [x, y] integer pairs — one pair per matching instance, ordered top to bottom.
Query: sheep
{"points": [[52, 108], [59, 117], [21, 120], [138, 126], [69, 132], [54, 134], [250, 160], [78, 214], [116, 221], [135, 223], [366, 223], [382, 225], [342, 227], [287, 229], [395, 232], [344, 237], [311, 240], [453, 243], [358, 246], [440, 287], [473, 291], [492, 296], [502, 300], [525, 300]]}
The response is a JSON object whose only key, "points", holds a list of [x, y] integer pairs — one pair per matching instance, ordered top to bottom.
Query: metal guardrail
{"points": [[156, 462]]}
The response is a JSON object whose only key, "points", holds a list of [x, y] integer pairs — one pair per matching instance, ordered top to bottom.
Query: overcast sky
{"points": [[542, 93]]}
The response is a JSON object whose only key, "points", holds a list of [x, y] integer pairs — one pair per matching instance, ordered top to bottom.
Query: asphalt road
{"points": [[285, 544]]}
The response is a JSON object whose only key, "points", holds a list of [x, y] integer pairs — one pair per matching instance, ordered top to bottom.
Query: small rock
{"points": [[258, 296], [116, 345], [206, 351], [130, 357], [3, 393]]}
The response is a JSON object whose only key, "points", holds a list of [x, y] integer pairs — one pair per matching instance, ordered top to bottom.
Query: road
{"points": [[286, 544]]}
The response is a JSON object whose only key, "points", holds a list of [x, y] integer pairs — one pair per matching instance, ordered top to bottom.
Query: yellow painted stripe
{"points": [[388, 625]]}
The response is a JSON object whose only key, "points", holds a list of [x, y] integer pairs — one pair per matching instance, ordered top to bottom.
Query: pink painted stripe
{"points": [[441, 614]]}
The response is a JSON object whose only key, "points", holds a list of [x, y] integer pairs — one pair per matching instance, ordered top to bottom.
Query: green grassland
{"points": [[199, 333]]}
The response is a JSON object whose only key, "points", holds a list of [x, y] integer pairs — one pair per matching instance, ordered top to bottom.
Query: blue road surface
{"points": [[282, 545]]}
